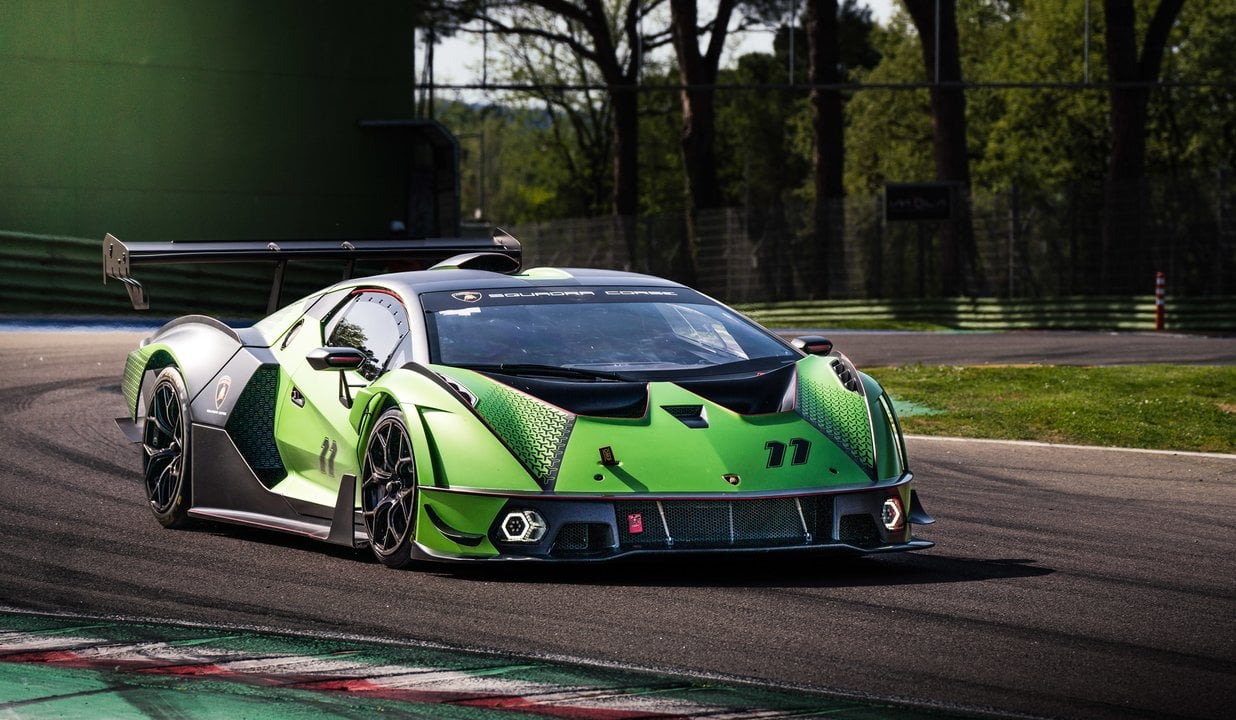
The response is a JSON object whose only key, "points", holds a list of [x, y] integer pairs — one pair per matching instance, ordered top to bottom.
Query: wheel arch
{"points": [[199, 347], [140, 368], [376, 402], [886, 428]]}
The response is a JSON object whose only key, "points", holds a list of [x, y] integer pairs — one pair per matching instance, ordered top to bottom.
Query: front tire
{"points": [[166, 448], [388, 490]]}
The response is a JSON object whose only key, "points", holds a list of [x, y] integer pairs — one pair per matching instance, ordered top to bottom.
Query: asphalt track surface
{"points": [[881, 349], [1068, 582]]}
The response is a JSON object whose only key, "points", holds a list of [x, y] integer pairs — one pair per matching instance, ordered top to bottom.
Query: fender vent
{"points": [[847, 374]]}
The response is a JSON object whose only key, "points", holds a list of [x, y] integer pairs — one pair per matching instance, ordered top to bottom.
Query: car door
{"points": [[315, 439]]}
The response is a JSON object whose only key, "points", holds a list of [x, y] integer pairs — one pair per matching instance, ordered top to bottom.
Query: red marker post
{"points": [[1160, 300]]}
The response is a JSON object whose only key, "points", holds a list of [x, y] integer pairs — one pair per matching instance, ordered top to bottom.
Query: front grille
{"points": [[719, 524]]}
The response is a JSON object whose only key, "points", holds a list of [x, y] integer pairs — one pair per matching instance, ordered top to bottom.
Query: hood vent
{"points": [[693, 416]]}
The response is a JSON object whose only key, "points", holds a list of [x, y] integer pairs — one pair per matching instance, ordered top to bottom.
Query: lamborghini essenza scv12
{"points": [[457, 413]]}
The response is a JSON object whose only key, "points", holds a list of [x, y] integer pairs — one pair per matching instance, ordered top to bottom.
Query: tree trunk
{"points": [[698, 73], [948, 125], [828, 154], [626, 166], [1124, 267]]}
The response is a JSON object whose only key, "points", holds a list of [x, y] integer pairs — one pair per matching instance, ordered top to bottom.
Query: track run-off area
{"points": [[1065, 582]]}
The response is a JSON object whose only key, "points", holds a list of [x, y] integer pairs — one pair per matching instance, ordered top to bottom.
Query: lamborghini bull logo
{"points": [[467, 296], [221, 390]]}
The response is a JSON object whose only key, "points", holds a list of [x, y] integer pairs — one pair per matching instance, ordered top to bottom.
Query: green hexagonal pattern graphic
{"points": [[840, 414], [535, 432]]}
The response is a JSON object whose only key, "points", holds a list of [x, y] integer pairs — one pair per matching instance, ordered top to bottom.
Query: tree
{"points": [[439, 19], [936, 22], [609, 37], [697, 72], [1131, 75], [1193, 129], [579, 135], [828, 148], [1191, 153], [761, 164], [520, 166]]}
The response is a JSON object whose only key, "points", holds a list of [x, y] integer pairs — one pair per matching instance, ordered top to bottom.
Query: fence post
{"points": [[1160, 306]]}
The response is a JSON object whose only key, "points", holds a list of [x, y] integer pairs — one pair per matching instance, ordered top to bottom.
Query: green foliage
{"points": [[1196, 126], [888, 133], [1044, 140], [550, 157], [759, 165], [518, 178], [663, 182], [1147, 406]]}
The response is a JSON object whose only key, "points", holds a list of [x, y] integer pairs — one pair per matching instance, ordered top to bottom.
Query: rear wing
{"points": [[501, 253]]}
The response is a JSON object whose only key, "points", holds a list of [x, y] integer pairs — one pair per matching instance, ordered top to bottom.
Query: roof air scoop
{"points": [[493, 262]]}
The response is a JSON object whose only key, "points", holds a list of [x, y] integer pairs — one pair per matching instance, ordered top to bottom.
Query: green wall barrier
{"points": [[190, 120]]}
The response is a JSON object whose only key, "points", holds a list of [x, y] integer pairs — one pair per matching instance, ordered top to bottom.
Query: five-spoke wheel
{"points": [[165, 449], [388, 490]]}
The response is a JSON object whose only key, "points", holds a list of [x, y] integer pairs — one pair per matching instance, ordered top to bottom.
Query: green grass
{"points": [[832, 323], [1163, 407]]}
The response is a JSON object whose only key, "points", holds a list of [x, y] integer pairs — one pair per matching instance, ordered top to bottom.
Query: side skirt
{"points": [[227, 490]]}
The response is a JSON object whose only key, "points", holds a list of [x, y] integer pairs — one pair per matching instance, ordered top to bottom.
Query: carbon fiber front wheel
{"points": [[165, 449], [388, 490]]}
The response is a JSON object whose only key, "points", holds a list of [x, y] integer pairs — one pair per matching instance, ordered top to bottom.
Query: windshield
{"points": [[600, 329]]}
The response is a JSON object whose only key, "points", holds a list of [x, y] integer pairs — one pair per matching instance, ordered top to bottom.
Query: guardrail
{"points": [[54, 275], [1109, 313]]}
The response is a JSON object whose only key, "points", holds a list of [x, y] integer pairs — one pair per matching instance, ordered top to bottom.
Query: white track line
{"points": [[1062, 446]]}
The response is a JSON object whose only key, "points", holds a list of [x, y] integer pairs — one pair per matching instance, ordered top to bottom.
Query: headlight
{"points": [[892, 514], [523, 526]]}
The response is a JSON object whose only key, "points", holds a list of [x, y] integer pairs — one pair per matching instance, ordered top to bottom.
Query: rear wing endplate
{"points": [[501, 252]]}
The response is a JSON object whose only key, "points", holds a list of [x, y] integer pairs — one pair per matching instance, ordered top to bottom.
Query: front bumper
{"points": [[596, 529]]}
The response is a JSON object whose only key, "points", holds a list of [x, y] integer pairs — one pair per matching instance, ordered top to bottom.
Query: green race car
{"points": [[475, 412]]}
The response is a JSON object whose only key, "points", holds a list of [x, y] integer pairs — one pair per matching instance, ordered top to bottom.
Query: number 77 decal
{"points": [[776, 452]]}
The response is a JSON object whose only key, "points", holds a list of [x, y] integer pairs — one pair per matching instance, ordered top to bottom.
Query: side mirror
{"points": [[813, 344], [336, 358]]}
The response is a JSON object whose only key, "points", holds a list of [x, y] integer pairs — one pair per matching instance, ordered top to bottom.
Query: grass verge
{"points": [[1163, 407]]}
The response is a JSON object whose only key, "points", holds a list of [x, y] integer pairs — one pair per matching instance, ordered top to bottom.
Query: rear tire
{"points": [[166, 446], [388, 490]]}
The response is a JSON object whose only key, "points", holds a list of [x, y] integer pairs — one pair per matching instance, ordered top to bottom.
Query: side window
{"points": [[374, 323]]}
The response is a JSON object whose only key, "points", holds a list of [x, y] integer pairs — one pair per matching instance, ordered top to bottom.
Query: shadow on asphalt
{"points": [[787, 570]]}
